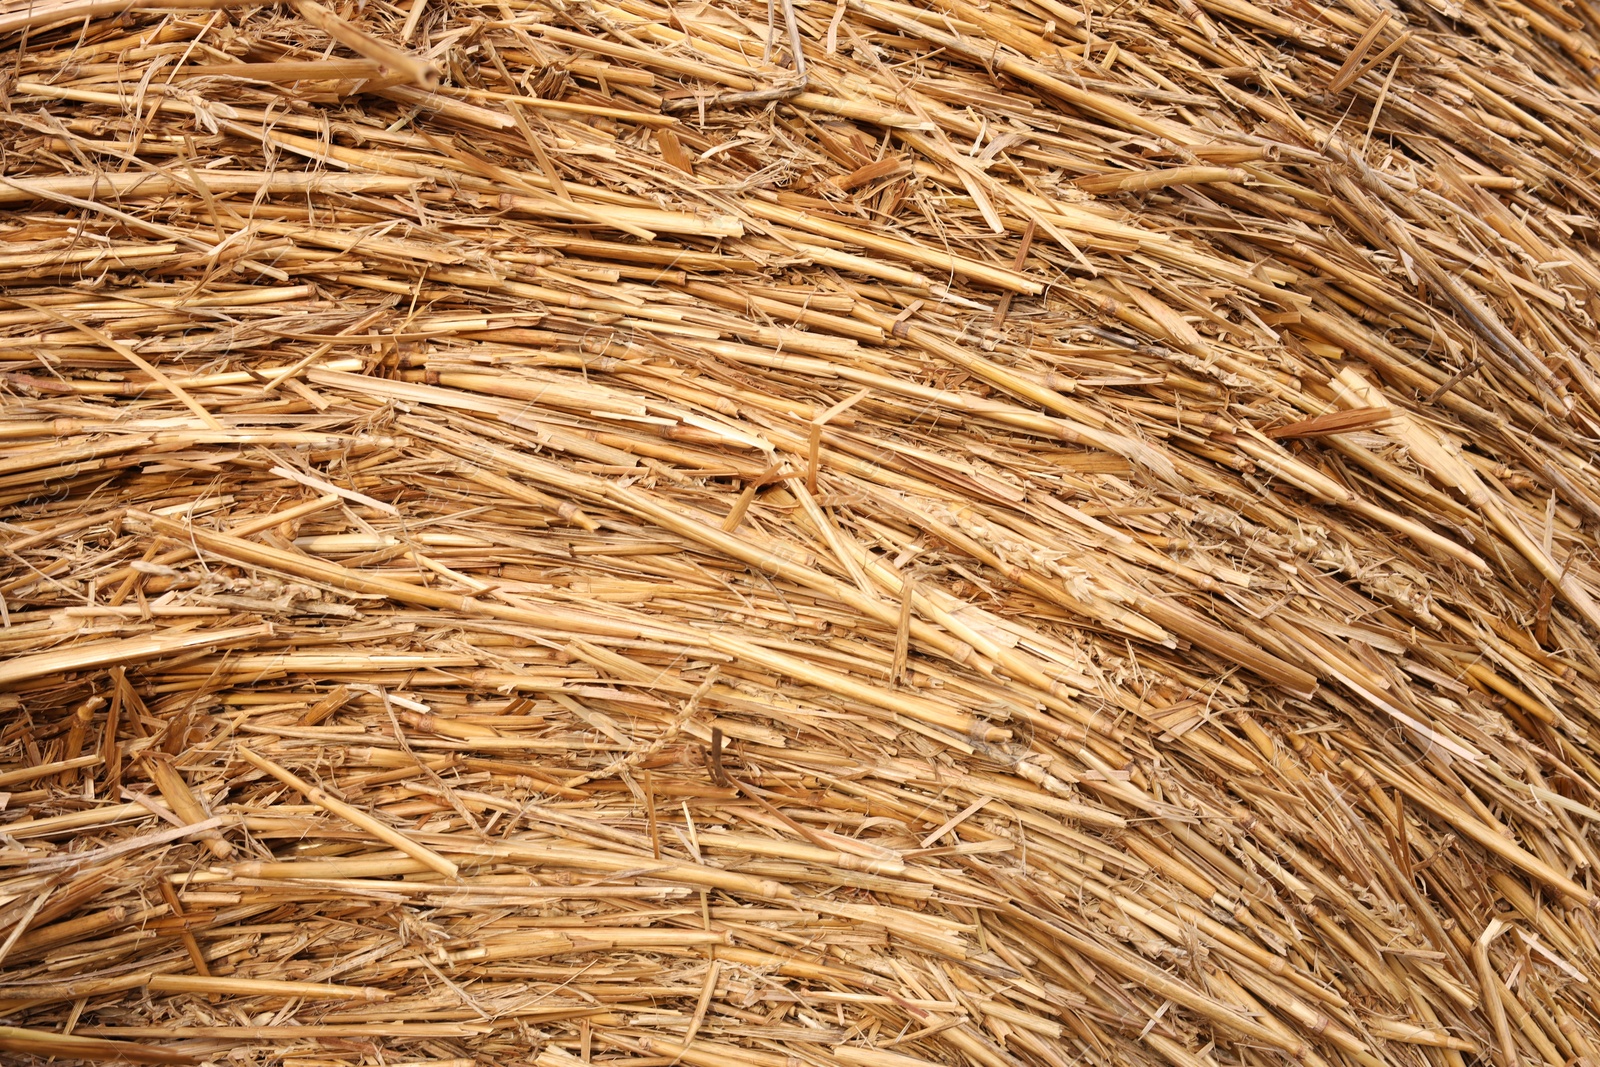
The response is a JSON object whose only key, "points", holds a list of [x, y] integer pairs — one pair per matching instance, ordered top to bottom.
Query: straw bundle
{"points": [[863, 533]]}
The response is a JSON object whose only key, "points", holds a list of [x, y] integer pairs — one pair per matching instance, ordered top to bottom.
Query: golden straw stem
{"points": [[352, 814]]}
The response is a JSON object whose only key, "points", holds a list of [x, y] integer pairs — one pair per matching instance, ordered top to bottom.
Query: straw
{"points": [[881, 533], [360, 818]]}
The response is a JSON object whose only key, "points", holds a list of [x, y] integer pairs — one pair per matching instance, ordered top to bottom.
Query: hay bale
{"points": [[860, 534]]}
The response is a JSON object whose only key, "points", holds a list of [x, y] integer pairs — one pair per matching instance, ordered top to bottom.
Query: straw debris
{"points": [[829, 533]]}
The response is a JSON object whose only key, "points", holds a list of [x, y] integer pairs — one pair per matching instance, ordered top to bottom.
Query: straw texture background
{"points": [[988, 534]]}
